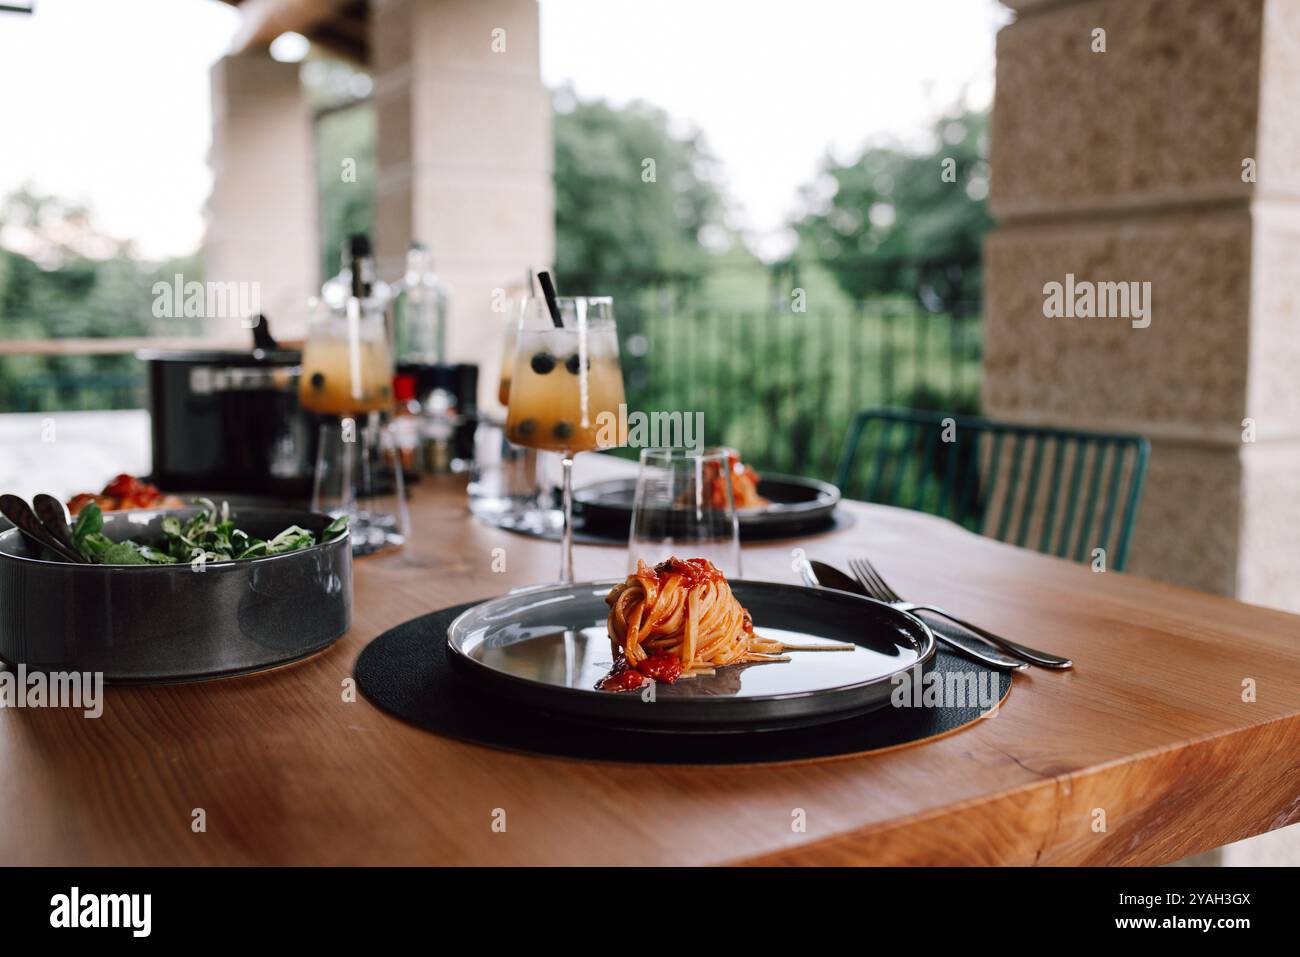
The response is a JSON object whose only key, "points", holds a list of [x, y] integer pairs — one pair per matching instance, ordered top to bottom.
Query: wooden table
{"points": [[1150, 729]]}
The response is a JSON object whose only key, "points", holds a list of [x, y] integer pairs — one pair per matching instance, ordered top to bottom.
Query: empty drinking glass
{"points": [[358, 474], [684, 506]]}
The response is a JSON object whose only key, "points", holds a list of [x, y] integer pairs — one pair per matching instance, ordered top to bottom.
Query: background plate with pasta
{"points": [[795, 505]]}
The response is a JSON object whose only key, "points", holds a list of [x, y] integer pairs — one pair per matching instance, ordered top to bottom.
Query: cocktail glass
{"points": [[566, 388]]}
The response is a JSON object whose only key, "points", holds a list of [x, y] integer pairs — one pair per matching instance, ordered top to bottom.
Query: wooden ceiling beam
{"points": [[264, 20], [348, 48]]}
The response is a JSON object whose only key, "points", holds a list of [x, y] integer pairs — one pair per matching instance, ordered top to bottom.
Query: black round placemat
{"points": [[838, 521], [406, 672]]}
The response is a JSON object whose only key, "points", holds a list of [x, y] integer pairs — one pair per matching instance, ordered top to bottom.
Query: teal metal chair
{"points": [[1060, 491]]}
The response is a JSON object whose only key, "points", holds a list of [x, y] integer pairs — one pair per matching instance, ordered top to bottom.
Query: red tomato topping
{"points": [[122, 486], [125, 492], [692, 570], [663, 667], [627, 679]]}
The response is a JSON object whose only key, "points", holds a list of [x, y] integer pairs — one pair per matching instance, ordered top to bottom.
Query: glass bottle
{"points": [[420, 312]]}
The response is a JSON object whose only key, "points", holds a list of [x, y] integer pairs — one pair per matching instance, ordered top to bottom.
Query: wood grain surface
{"points": [[1149, 730]]}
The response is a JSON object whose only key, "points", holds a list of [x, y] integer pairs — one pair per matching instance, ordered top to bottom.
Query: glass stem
{"points": [[321, 471], [347, 478], [566, 539]]}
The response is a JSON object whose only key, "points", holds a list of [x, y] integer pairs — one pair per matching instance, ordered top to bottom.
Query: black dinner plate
{"points": [[797, 504], [548, 647]]}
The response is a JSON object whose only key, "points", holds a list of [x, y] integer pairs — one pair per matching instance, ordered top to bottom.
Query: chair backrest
{"points": [[1060, 491]]}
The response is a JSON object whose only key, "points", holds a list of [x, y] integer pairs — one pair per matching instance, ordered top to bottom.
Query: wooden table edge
{"points": [[907, 843]]}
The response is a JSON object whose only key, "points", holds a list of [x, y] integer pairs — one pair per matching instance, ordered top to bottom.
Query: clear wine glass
{"points": [[347, 376], [511, 487], [684, 506]]}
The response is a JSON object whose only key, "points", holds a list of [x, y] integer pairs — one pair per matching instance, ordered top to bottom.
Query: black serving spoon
{"points": [[50, 511], [21, 514]]}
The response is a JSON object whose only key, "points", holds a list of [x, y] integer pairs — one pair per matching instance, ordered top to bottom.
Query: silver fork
{"points": [[876, 586]]}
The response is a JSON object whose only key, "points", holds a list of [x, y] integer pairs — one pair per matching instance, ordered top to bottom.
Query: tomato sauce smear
{"points": [[665, 667]]}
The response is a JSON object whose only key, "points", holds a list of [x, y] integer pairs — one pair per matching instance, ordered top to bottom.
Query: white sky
{"points": [[106, 101]]}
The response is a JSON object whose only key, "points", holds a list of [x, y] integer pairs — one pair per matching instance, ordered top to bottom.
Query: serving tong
{"points": [[47, 526]]}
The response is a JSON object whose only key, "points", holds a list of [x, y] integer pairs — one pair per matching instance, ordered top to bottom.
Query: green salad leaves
{"points": [[210, 536]]}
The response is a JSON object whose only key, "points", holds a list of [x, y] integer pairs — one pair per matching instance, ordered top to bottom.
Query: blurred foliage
{"points": [[346, 165], [346, 171], [631, 198], [892, 222], [738, 280], [72, 282], [783, 386]]}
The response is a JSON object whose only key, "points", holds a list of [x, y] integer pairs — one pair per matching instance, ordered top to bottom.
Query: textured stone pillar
{"points": [[465, 154], [1127, 165], [262, 222]]}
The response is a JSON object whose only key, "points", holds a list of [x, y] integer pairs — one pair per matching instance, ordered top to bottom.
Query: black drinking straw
{"points": [[548, 290]]}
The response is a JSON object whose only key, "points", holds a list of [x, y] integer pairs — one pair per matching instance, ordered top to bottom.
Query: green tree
{"points": [[345, 157], [346, 165], [631, 198], [904, 221], [75, 282]]}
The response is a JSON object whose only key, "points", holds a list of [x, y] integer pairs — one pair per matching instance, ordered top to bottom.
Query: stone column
{"points": [[464, 154], [1173, 157], [1169, 158], [262, 221]]}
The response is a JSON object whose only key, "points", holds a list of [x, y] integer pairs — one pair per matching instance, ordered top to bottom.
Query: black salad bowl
{"points": [[159, 623]]}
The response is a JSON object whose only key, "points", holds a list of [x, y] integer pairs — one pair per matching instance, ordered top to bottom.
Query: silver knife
{"points": [[820, 575]]}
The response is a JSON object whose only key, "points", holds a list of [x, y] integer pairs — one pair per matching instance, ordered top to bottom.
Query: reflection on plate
{"points": [[579, 659]]}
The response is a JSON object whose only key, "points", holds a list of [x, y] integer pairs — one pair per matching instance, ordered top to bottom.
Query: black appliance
{"points": [[229, 421]]}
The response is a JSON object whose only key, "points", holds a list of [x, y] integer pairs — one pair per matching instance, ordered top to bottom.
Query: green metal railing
{"points": [[780, 386], [783, 387]]}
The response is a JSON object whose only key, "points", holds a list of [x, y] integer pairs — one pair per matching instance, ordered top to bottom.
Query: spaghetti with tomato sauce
{"points": [[743, 479], [680, 619]]}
